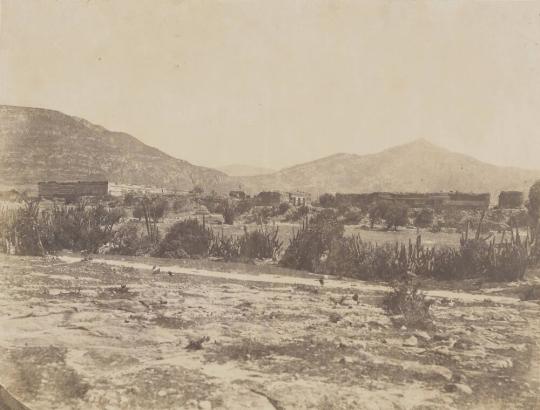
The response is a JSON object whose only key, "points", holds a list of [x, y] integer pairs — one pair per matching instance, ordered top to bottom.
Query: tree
{"points": [[327, 201], [227, 211], [377, 211], [396, 214], [424, 218]]}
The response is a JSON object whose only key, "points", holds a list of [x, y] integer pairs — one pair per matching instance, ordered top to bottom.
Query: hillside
{"points": [[38, 144], [415, 167], [241, 170]]}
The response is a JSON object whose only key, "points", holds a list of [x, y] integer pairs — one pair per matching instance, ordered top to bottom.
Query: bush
{"points": [[327, 201], [242, 207], [283, 208], [227, 211], [297, 214], [352, 215], [395, 215], [424, 218], [31, 231], [188, 238], [129, 239], [263, 243], [308, 244], [505, 261], [407, 301]]}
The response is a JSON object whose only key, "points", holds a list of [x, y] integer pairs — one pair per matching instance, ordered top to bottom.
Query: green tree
{"points": [[396, 215], [424, 218]]}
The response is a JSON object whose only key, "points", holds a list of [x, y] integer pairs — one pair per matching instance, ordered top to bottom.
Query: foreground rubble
{"points": [[90, 335]]}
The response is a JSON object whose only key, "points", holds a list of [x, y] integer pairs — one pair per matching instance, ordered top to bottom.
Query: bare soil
{"points": [[110, 334]]}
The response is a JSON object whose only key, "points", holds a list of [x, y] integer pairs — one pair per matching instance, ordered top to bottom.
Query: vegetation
{"points": [[424, 218], [31, 231], [315, 237], [189, 238], [262, 243], [410, 303]]}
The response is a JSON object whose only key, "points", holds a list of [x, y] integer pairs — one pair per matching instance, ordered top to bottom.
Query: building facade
{"points": [[75, 189]]}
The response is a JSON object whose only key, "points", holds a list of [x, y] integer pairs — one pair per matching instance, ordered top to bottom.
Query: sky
{"points": [[275, 83]]}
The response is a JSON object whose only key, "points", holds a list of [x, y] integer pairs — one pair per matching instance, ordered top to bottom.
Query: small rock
{"points": [[420, 334], [411, 342], [442, 350], [346, 360], [505, 363], [458, 388], [162, 393], [205, 405]]}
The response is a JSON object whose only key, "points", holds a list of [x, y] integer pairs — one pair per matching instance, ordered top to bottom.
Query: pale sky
{"points": [[274, 83]]}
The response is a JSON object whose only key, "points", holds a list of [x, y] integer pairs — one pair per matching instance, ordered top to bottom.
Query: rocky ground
{"points": [[87, 335]]}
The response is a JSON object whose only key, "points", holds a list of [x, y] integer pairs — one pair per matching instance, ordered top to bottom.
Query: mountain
{"points": [[38, 144], [419, 166], [242, 170]]}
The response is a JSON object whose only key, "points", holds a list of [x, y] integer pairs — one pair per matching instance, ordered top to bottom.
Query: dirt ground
{"points": [[111, 335]]}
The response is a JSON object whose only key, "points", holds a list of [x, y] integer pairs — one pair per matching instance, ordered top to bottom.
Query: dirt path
{"points": [[291, 280], [109, 334]]}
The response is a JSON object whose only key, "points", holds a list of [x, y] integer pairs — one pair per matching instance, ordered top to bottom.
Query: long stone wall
{"points": [[53, 189]]}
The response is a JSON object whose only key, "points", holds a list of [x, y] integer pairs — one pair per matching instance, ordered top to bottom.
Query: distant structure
{"points": [[123, 189], [69, 190], [238, 195], [299, 198], [511, 199], [433, 200]]}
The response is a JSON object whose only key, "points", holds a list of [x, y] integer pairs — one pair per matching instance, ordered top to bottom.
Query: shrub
{"points": [[327, 201], [182, 204], [242, 207], [283, 208], [377, 211], [227, 212], [297, 214], [352, 215], [395, 215], [424, 218], [31, 231], [315, 237], [188, 238], [129, 239], [263, 243], [504, 261], [410, 303]]}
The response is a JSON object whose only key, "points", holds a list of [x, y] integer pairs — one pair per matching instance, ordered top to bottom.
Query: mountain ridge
{"points": [[39, 144], [416, 166]]}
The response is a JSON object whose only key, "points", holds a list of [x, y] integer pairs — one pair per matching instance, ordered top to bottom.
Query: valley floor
{"points": [[109, 334]]}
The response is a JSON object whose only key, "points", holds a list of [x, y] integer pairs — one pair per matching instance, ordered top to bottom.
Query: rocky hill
{"points": [[39, 144], [419, 166]]}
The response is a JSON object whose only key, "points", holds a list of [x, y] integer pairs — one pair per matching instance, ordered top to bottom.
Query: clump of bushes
{"points": [[394, 214], [424, 218], [30, 230], [189, 238], [130, 239], [263, 243], [308, 245], [407, 301]]}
